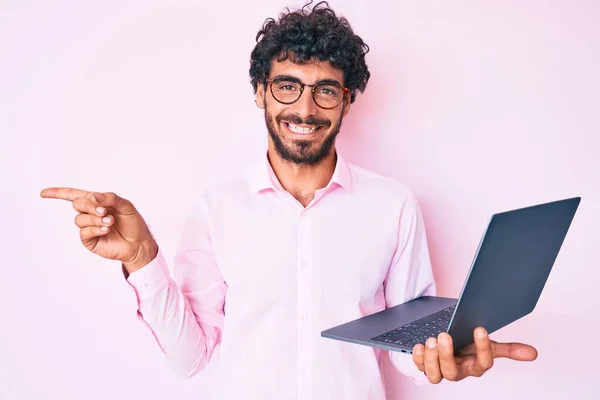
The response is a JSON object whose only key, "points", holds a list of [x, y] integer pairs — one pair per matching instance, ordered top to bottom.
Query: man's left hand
{"points": [[437, 360]]}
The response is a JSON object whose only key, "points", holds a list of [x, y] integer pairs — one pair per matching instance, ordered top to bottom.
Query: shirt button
{"points": [[144, 285], [304, 318]]}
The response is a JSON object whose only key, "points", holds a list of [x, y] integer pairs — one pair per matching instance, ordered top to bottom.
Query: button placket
{"points": [[304, 307]]}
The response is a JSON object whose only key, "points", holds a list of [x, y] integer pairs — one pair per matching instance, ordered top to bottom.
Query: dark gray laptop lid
{"points": [[511, 267]]}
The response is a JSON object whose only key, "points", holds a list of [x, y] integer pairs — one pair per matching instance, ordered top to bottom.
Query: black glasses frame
{"points": [[302, 86]]}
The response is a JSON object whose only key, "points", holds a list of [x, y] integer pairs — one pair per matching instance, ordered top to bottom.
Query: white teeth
{"points": [[299, 129]]}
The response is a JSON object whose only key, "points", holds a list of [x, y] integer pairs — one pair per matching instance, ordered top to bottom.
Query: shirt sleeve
{"points": [[410, 275], [184, 311]]}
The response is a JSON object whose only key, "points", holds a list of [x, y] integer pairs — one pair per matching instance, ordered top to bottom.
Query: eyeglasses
{"points": [[326, 95]]}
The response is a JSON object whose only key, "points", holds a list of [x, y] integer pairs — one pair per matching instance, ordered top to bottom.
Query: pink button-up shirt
{"points": [[261, 276]]}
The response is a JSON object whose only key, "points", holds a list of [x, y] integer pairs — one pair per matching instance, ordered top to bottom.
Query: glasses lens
{"points": [[285, 91], [328, 96]]}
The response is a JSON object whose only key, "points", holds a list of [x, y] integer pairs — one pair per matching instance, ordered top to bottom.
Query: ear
{"points": [[260, 96]]}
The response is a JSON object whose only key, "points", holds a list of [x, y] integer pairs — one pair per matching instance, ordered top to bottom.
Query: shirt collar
{"points": [[262, 177]]}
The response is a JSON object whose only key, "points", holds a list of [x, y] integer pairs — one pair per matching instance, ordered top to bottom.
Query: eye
{"points": [[286, 86], [327, 90]]}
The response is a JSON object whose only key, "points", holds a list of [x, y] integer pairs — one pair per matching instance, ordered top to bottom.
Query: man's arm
{"points": [[410, 275], [184, 312]]}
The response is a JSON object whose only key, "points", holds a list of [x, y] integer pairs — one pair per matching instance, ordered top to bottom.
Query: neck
{"points": [[302, 181]]}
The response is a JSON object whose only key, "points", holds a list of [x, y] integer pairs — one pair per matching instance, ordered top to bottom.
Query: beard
{"points": [[301, 152]]}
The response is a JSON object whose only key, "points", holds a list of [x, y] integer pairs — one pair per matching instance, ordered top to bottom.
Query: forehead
{"points": [[310, 72]]}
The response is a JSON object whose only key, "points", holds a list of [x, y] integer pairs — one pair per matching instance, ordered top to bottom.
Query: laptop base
{"points": [[363, 330]]}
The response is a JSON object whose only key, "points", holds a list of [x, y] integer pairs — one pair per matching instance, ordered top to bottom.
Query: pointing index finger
{"points": [[63, 193]]}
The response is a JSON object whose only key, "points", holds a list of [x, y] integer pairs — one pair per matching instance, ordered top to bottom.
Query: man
{"points": [[301, 242]]}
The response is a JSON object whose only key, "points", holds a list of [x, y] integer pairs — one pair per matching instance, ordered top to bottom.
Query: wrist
{"points": [[143, 256]]}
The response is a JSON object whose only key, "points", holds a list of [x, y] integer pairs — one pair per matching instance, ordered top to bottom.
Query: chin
{"points": [[302, 152]]}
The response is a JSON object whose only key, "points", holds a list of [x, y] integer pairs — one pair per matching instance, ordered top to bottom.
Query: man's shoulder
{"points": [[371, 183], [234, 185], [222, 189]]}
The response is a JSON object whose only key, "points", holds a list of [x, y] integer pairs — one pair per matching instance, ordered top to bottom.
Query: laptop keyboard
{"points": [[418, 331]]}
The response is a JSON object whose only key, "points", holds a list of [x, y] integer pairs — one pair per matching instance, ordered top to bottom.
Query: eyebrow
{"points": [[294, 79]]}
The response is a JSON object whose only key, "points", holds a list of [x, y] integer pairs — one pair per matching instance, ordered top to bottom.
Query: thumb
{"points": [[98, 197], [112, 200]]}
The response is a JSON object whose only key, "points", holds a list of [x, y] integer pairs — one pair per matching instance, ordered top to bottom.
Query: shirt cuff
{"points": [[151, 278], [404, 363]]}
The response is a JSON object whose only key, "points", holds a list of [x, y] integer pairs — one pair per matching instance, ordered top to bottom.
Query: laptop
{"points": [[511, 266]]}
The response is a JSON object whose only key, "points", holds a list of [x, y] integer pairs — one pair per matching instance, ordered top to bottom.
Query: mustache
{"points": [[296, 120]]}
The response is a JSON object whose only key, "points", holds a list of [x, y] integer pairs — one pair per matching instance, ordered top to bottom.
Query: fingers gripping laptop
{"points": [[511, 266]]}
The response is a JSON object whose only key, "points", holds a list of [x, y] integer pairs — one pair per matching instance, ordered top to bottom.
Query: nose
{"points": [[306, 106]]}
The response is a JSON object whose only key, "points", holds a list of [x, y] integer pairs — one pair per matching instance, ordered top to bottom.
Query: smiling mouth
{"points": [[302, 130]]}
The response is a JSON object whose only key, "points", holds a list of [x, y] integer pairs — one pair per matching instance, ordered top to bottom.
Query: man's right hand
{"points": [[110, 226]]}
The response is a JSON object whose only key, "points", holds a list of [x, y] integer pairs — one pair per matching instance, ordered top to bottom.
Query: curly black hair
{"points": [[303, 35]]}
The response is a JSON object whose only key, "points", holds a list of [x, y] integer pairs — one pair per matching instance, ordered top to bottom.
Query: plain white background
{"points": [[479, 106]]}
